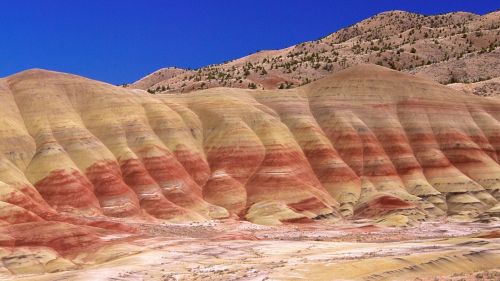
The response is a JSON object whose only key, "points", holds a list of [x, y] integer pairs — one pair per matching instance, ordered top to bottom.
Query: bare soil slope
{"points": [[86, 168]]}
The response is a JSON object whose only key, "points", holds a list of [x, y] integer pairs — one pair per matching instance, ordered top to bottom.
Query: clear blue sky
{"points": [[119, 41]]}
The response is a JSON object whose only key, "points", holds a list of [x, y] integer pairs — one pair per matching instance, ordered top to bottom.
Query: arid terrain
{"points": [[451, 48], [344, 171], [236, 184], [230, 250]]}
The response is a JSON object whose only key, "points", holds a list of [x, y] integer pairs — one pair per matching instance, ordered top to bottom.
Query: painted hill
{"points": [[450, 48], [158, 76], [81, 159]]}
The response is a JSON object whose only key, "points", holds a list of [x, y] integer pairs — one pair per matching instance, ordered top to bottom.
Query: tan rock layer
{"points": [[366, 141]]}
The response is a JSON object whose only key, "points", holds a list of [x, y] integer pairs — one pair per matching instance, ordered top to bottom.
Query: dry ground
{"points": [[233, 250]]}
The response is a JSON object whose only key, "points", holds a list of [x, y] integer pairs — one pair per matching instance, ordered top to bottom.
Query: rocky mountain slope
{"points": [[450, 48], [488, 88], [80, 160]]}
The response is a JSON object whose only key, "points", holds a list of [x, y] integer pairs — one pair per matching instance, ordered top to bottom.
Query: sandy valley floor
{"points": [[242, 251]]}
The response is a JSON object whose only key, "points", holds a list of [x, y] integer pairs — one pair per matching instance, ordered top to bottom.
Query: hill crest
{"points": [[396, 39]]}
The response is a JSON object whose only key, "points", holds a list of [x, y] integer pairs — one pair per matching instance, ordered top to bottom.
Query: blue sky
{"points": [[120, 41]]}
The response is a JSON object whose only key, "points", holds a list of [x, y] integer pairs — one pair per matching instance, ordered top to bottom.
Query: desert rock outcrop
{"points": [[363, 142], [367, 142]]}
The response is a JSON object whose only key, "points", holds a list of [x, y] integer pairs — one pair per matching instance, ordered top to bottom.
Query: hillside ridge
{"points": [[396, 39], [91, 172]]}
